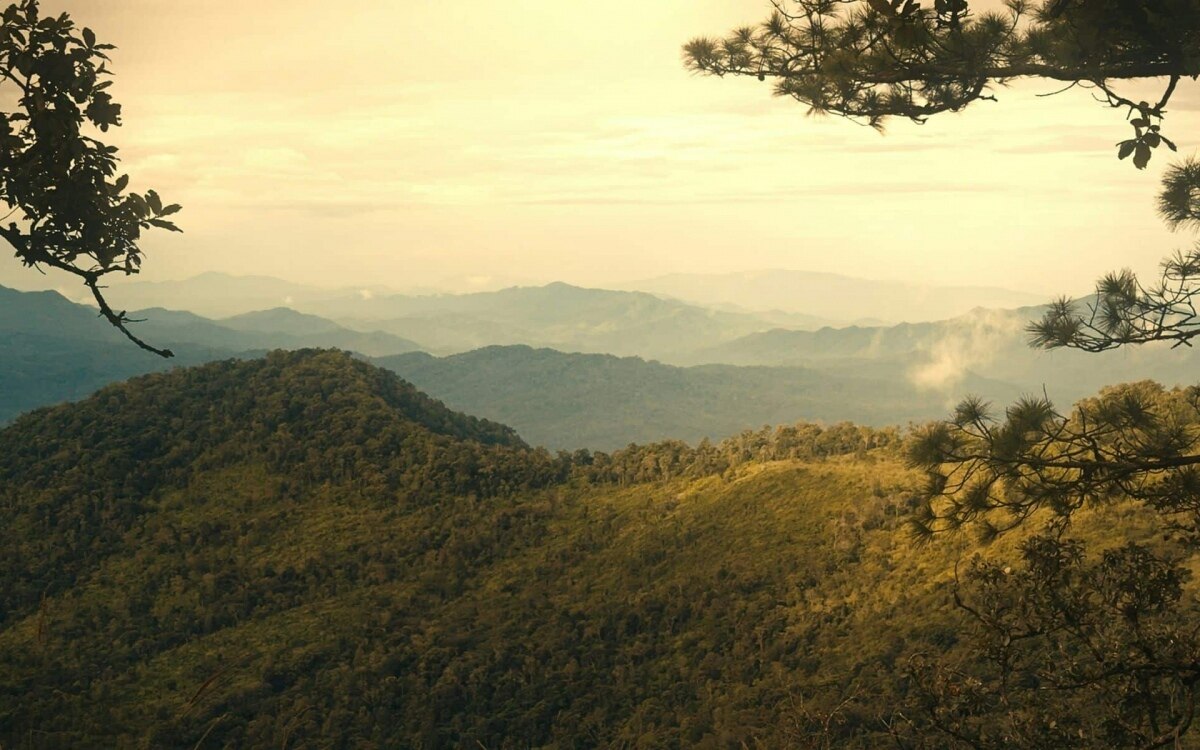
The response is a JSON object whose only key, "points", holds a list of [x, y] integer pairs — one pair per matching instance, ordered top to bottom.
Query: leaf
{"points": [[89, 37], [1140, 122], [1152, 140], [1170, 144], [1126, 149], [1141, 156], [154, 201], [139, 204], [171, 209], [165, 225]]}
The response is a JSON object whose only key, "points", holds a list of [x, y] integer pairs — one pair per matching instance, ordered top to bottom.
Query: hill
{"points": [[832, 296], [558, 316], [277, 328], [54, 350], [948, 356], [604, 402], [264, 548], [305, 551]]}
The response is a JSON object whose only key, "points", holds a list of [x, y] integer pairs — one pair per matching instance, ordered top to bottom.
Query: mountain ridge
{"points": [[252, 553]]}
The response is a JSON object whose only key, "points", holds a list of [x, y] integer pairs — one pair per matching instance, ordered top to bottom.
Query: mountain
{"points": [[218, 295], [832, 296], [557, 315], [280, 320], [278, 328], [54, 350], [943, 356], [568, 401], [304, 551]]}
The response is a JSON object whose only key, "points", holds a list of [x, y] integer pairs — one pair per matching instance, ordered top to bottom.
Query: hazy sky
{"points": [[401, 143]]}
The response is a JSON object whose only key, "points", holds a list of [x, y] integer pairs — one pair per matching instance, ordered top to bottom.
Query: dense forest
{"points": [[304, 551]]}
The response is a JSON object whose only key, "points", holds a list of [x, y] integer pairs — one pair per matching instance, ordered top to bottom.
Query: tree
{"points": [[876, 59], [68, 208], [1077, 649]]}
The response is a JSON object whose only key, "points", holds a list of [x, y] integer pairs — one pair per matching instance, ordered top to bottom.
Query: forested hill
{"points": [[602, 402], [305, 547], [305, 551]]}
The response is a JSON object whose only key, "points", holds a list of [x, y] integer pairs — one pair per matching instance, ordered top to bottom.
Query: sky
{"points": [[439, 143]]}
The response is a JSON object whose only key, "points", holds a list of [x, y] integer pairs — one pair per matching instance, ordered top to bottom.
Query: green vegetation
{"points": [[68, 207], [601, 402], [304, 551], [1082, 649]]}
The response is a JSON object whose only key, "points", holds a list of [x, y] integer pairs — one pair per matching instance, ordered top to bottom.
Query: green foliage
{"points": [[880, 59], [72, 211], [597, 401], [304, 546], [304, 550], [1077, 652], [1083, 652]]}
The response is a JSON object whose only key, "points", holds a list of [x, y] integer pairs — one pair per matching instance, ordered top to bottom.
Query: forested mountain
{"points": [[840, 300], [53, 350], [568, 401], [305, 551]]}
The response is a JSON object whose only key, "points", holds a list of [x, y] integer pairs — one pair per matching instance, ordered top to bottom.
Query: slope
{"points": [[568, 401], [305, 551]]}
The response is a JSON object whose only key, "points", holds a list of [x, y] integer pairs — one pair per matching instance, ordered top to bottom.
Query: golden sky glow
{"points": [[406, 142]]}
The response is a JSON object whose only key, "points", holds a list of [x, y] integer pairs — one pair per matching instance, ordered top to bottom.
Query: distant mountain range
{"points": [[220, 295], [831, 296], [557, 315], [560, 316], [661, 318], [278, 328], [52, 349], [942, 356], [724, 376], [604, 402]]}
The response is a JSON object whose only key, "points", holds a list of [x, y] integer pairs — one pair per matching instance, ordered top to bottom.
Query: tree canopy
{"points": [[877, 59], [69, 209]]}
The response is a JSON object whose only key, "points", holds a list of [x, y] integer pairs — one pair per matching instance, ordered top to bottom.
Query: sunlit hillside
{"points": [[303, 550]]}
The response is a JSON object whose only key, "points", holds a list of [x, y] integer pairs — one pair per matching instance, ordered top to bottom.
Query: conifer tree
{"points": [[1076, 648]]}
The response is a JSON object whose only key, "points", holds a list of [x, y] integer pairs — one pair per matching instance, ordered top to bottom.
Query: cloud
{"points": [[972, 344]]}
